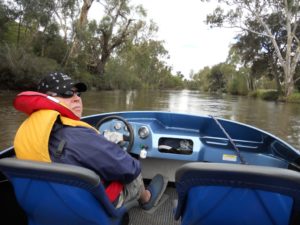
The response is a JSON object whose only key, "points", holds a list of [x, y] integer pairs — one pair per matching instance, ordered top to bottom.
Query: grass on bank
{"points": [[266, 94], [273, 95], [293, 98]]}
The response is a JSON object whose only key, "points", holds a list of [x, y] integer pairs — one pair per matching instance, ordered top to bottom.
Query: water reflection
{"points": [[278, 118]]}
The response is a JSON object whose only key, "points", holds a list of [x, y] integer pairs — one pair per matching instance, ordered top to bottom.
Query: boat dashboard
{"points": [[183, 137], [154, 139]]}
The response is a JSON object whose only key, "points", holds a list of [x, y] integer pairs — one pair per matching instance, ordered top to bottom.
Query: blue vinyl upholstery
{"points": [[60, 194], [232, 194]]}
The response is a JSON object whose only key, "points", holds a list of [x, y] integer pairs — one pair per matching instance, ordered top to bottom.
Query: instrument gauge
{"points": [[118, 125], [143, 132]]}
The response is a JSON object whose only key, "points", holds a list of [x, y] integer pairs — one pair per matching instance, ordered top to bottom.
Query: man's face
{"points": [[74, 103]]}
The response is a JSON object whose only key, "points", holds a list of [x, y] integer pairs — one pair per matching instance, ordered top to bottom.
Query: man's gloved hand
{"points": [[113, 136]]}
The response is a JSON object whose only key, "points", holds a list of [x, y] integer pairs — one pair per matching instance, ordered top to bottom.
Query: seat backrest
{"points": [[55, 193], [219, 193]]}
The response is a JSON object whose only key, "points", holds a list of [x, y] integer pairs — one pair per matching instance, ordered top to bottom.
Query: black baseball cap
{"points": [[59, 83]]}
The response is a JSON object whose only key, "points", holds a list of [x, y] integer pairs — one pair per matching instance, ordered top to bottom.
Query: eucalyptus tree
{"points": [[236, 13], [7, 15], [37, 16], [120, 24], [79, 26], [34, 44], [258, 53], [148, 64], [140, 65], [201, 79], [217, 79]]}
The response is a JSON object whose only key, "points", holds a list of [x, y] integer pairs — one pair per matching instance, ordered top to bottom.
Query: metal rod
{"points": [[230, 140]]}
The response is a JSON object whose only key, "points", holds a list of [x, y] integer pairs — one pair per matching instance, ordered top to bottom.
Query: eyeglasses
{"points": [[67, 94]]}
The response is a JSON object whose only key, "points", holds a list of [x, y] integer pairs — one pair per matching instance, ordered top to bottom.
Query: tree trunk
{"points": [[80, 25], [100, 68], [274, 70], [250, 82], [289, 89]]}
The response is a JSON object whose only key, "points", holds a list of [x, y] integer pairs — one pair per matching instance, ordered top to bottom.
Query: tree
{"points": [[238, 12], [6, 15], [39, 17], [79, 27], [116, 27], [101, 40], [257, 52], [239, 58], [140, 65], [201, 79], [217, 79]]}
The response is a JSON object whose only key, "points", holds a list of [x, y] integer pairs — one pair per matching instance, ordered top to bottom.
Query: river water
{"points": [[280, 119]]}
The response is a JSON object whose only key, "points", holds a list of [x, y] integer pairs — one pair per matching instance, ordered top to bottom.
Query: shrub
{"points": [[21, 70], [268, 94], [294, 98]]}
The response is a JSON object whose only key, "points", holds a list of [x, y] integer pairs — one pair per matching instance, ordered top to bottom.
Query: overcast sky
{"points": [[191, 44]]}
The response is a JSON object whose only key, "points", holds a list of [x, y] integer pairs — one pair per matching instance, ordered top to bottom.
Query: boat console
{"points": [[184, 137], [163, 138]]}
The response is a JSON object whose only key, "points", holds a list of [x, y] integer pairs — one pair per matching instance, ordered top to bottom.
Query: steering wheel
{"points": [[128, 134]]}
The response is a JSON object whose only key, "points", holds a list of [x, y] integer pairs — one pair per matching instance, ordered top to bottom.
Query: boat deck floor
{"points": [[162, 214]]}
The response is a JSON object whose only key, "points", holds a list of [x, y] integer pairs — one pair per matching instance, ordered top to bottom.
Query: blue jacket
{"points": [[86, 148]]}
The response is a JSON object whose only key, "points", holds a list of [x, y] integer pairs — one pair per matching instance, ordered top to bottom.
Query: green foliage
{"points": [[4, 19], [119, 25], [13, 31], [268, 39], [33, 45], [50, 45], [258, 52], [139, 66], [22, 70], [84, 76], [119, 76], [220, 78], [200, 79], [216, 79], [172, 82], [265, 83], [191, 85], [237, 85], [266, 94], [294, 98]]}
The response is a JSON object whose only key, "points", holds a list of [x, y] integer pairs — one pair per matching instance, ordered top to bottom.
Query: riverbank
{"points": [[273, 95]]}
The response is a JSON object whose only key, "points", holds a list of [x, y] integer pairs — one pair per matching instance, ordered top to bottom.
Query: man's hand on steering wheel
{"points": [[113, 136], [118, 137]]}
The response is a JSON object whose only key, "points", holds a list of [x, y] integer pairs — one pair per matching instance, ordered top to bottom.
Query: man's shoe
{"points": [[157, 188]]}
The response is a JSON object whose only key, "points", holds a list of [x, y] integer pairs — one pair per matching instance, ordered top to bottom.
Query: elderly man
{"points": [[54, 133]]}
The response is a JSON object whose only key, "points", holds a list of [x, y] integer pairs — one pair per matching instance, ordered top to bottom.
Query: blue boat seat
{"points": [[60, 194], [233, 194]]}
